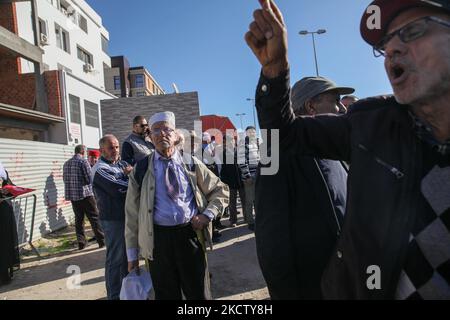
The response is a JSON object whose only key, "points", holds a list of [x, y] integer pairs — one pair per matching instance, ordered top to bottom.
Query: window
{"points": [[82, 23], [43, 27], [62, 38], [105, 44], [85, 56], [139, 81], [116, 83], [91, 111], [75, 113]]}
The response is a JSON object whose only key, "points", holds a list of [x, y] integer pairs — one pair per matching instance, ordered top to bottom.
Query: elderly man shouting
{"points": [[169, 207], [395, 242]]}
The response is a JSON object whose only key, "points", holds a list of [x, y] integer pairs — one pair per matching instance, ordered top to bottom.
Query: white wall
{"points": [[53, 55], [86, 86], [89, 135], [38, 166]]}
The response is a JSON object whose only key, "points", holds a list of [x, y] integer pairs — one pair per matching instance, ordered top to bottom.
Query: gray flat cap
{"points": [[309, 87]]}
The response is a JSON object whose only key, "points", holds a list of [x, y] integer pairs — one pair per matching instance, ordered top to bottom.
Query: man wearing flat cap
{"points": [[169, 207], [300, 209], [395, 242]]}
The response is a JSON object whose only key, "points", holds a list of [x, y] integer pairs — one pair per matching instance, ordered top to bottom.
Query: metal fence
{"points": [[37, 165]]}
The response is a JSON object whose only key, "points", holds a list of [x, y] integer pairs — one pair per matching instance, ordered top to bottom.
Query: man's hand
{"points": [[268, 39], [127, 170], [199, 222], [133, 265]]}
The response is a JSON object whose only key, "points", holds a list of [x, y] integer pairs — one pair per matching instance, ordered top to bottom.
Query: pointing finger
{"points": [[265, 4], [277, 12]]}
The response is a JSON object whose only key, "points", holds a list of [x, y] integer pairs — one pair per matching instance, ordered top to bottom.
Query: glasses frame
{"points": [[378, 50], [167, 131]]}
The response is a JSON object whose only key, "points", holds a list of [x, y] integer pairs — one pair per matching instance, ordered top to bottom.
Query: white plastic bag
{"points": [[136, 287]]}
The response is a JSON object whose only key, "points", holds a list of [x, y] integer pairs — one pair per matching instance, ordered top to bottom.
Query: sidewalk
{"points": [[233, 263]]}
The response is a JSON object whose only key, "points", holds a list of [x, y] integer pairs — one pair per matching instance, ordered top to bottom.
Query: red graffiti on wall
{"points": [[14, 172]]}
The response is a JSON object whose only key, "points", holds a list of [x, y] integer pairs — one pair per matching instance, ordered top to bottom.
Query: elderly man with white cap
{"points": [[169, 207], [395, 242]]}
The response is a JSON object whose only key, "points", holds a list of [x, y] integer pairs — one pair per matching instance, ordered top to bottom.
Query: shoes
{"points": [[232, 225], [219, 226], [251, 226], [216, 236], [215, 239], [101, 244], [81, 246], [5, 278]]}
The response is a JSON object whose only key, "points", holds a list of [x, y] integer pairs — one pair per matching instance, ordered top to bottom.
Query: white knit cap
{"points": [[166, 116], [206, 136]]}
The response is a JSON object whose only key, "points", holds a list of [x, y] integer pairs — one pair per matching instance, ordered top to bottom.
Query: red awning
{"points": [[217, 126]]}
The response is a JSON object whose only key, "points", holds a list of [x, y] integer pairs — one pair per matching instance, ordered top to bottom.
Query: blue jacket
{"points": [[110, 188]]}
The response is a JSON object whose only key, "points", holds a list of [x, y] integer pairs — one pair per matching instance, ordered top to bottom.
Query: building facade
{"points": [[73, 45], [124, 81], [118, 114]]}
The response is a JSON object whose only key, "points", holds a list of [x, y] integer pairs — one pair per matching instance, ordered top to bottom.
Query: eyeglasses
{"points": [[410, 32], [144, 125], [166, 131]]}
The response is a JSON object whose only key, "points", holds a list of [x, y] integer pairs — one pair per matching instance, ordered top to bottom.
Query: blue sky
{"points": [[199, 45]]}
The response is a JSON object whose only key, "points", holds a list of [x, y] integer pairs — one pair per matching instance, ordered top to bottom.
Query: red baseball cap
{"points": [[389, 9], [94, 153]]}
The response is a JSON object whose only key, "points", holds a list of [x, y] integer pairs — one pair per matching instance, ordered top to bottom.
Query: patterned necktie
{"points": [[172, 186]]}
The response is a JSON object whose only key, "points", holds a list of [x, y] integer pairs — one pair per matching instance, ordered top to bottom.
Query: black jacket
{"points": [[379, 141], [230, 173], [298, 221]]}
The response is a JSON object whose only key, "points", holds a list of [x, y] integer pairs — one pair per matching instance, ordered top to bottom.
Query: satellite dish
{"points": [[175, 88]]}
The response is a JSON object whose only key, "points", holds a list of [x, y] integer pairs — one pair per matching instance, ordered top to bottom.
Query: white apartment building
{"points": [[75, 42]]}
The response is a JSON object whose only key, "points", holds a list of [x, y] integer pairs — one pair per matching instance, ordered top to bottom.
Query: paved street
{"points": [[233, 264]]}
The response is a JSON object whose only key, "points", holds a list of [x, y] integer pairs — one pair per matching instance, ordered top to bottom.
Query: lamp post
{"points": [[306, 32], [253, 109], [240, 115]]}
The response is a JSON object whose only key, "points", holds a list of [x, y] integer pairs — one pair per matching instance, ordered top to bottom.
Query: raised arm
{"points": [[322, 136]]}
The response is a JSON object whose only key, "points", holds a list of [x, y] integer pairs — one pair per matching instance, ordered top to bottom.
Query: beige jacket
{"points": [[210, 193]]}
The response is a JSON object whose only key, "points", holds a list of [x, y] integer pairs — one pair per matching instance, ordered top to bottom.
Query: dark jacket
{"points": [[135, 148], [230, 173], [383, 183], [110, 186], [299, 213], [9, 249]]}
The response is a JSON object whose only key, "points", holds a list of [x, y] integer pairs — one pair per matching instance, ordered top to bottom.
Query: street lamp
{"points": [[306, 32], [253, 109], [240, 115]]}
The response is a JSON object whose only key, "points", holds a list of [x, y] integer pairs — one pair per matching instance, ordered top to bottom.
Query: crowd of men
{"points": [[184, 197], [360, 205]]}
